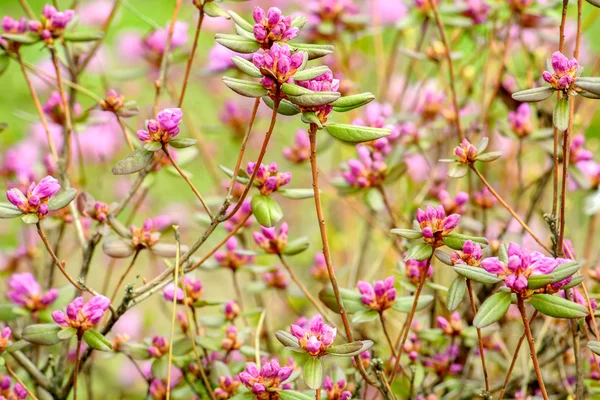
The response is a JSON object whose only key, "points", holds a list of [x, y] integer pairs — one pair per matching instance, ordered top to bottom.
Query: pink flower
{"points": [[272, 27], [277, 65], [565, 71], [323, 83], [520, 120], [164, 128], [300, 152], [466, 152], [369, 170], [268, 178], [36, 199], [457, 204], [244, 212], [435, 224], [271, 240], [471, 254], [234, 256], [319, 269], [414, 269], [276, 278], [193, 290], [26, 292], [380, 296], [231, 310], [81, 315], [5, 336], [316, 338], [271, 376], [336, 390]]}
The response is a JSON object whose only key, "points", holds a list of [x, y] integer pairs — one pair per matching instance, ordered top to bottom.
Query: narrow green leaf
{"points": [[212, 9], [82, 36], [237, 43], [246, 67], [311, 73], [244, 87], [533, 95], [348, 103], [285, 106], [560, 116], [355, 134], [182, 143], [133, 162], [457, 170], [296, 194], [62, 199], [7, 210], [30, 218], [407, 233], [456, 241], [296, 246], [420, 252], [476, 274], [456, 293], [352, 300], [404, 303], [557, 307], [492, 309], [365, 316], [66, 333], [42, 334], [96, 340], [594, 346], [350, 349], [313, 373], [293, 395]]}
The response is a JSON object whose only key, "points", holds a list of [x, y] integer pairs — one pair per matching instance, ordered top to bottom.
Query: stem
{"points": [[27, 9], [440, 26], [191, 59], [63, 95], [312, 133], [127, 138], [185, 178], [509, 209], [59, 264], [238, 294], [112, 298], [174, 314], [408, 323], [387, 334], [479, 338], [532, 351], [77, 362], [16, 377], [318, 394]]}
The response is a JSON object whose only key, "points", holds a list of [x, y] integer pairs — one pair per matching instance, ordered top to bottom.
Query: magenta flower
{"points": [[477, 10], [327, 18], [52, 23], [10, 25], [272, 27], [156, 41], [277, 65], [565, 72], [431, 103], [376, 115], [236, 117], [520, 120], [162, 129], [300, 151], [577, 151], [466, 153], [369, 170], [268, 178], [484, 198], [36, 199], [456, 205], [244, 212], [435, 225], [146, 236], [270, 240], [471, 254], [234, 256], [521, 265], [319, 269], [414, 269], [276, 278], [193, 290], [26, 292], [380, 296], [231, 310], [81, 315], [452, 327], [5, 336], [316, 338], [231, 341], [159, 347], [444, 363], [264, 382], [228, 387], [337, 390], [18, 392]]}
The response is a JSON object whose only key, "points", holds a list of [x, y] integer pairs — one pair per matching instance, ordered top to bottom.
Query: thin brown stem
{"points": [[188, 68], [66, 105], [127, 138], [187, 180], [509, 209], [59, 264], [122, 279], [387, 334], [479, 338], [532, 351], [77, 364], [19, 381]]}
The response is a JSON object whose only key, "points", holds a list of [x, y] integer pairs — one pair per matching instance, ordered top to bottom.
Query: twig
{"points": [[479, 338], [532, 351]]}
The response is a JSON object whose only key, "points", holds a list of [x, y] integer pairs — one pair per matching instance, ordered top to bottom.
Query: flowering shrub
{"points": [[340, 199]]}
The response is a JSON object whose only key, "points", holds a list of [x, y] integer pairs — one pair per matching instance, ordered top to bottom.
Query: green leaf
{"points": [[213, 10], [241, 22], [82, 36], [27, 38], [237, 43], [314, 51], [4, 63], [246, 67], [311, 73], [590, 84], [244, 87], [533, 95], [314, 99], [348, 103], [285, 107], [560, 116], [310, 117], [355, 134], [182, 143], [482, 145], [489, 157], [133, 162], [457, 170], [395, 172], [242, 176], [296, 194], [62, 199], [7, 210], [266, 210], [30, 218], [407, 233], [456, 241], [296, 246], [420, 252], [443, 257], [565, 270], [476, 274], [576, 280], [539, 281], [456, 293], [352, 300], [404, 303], [557, 307], [492, 309], [365, 316], [66, 333], [42, 334], [287, 339], [96, 340], [17, 346], [182, 346], [594, 346], [350, 349], [135, 350], [160, 368], [313, 373], [293, 395], [243, 396]]}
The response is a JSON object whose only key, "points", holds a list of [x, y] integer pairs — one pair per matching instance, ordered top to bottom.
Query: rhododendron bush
{"points": [[329, 199]]}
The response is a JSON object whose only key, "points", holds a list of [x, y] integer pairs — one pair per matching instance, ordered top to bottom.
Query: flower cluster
{"points": [[51, 24], [272, 26], [277, 65], [565, 72], [520, 120], [162, 129], [577, 151], [300, 152], [465, 153], [369, 170], [268, 178], [484, 198], [35, 201], [457, 205], [244, 212], [435, 225], [146, 236], [270, 240], [471, 254], [233, 257], [521, 265], [319, 269], [414, 269], [277, 278], [193, 290], [25, 291], [379, 296], [231, 310], [81, 315], [452, 327], [5, 336], [316, 338], [231, 341], [159, 347], [444, 363], [263, 383], [228, 387], [336, 390], [18, 392]]}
